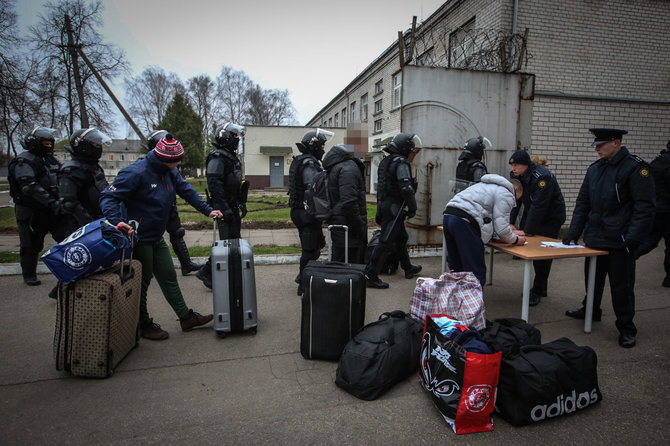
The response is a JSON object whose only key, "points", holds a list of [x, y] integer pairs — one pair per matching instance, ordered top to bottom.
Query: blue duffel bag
{"points": [[96, 246]]}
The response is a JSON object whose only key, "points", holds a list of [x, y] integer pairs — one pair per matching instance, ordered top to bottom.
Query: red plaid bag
{"points": [[456, 294]]}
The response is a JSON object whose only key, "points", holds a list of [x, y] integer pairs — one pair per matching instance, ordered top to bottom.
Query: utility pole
{"points": [[77, 76], [111, 95]]}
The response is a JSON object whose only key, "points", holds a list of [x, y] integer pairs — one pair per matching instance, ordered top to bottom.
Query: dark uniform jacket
{"points": [[660, 168], [224, 180], [33, 182], [80, 182], [346, 189], [146, 191], [543, 203], [615, 204]]}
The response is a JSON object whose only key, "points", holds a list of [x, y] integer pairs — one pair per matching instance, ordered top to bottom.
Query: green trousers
{"points": [[157, 262]]}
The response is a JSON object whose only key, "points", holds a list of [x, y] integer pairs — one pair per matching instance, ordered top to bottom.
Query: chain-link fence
{"points": [[468, 48]]}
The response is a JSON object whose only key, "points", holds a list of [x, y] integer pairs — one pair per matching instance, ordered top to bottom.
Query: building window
{"points": [[461, 45], [427, 58], [379, 86], [397, 86], [378, 106], [364, 108], [352, 112], [344, 117], [337, 119], [330, 122], [325, 123], [378, 125], [110, 157], [123, 157]]}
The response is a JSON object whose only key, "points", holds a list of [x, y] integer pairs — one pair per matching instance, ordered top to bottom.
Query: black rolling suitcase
{"points": [[233, 286], [333, 305]]}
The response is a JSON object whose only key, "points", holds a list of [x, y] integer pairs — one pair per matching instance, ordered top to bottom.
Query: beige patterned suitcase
{"points": [[96, 321]]}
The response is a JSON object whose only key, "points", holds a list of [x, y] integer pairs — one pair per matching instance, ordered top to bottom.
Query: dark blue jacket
{"points": [[146, 191], [615, 205], [544, 206]]}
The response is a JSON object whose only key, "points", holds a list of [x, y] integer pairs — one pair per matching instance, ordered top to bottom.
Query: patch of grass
{"points": [[7, 218], [204, 251], [9, 257]]}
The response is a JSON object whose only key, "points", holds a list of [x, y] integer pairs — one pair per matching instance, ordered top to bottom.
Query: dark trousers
{"points": [[33, 226], [661, 229], [311, 237], [396, 240], [465, 249], [619, 266]]}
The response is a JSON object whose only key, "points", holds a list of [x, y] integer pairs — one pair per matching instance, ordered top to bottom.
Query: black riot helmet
{"points": [[228, 136], [153, 139], [40, 141], [314, 141], [88, 143], [403, 144], [474, 148]]}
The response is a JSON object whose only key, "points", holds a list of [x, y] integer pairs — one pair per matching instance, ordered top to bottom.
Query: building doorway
{"points": [[276, 171]]}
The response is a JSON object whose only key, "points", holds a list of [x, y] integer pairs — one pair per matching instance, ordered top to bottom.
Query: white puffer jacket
{"points": [[489, 203]]}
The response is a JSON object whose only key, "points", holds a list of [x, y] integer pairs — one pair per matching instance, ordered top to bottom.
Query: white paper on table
{"points": [[548, 244]]}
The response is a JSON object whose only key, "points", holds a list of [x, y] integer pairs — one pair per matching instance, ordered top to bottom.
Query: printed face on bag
{"points": [[442, 388]]}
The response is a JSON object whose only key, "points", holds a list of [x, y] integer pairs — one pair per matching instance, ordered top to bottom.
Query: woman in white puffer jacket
{"points": [[475, 216]]}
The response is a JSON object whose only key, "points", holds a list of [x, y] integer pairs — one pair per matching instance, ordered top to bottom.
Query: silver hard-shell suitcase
{"points": [[233, 286]]}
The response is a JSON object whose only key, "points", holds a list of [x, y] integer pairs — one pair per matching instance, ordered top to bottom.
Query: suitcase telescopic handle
{"points": [[345, 228], [214, 232], [127, 275]]}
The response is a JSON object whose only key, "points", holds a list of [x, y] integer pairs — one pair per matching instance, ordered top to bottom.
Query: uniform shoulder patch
{"points": [[637, 158], [644, 172], [541, 183]]}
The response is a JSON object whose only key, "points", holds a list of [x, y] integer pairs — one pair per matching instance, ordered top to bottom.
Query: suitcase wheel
{"points": [[253, 330]]}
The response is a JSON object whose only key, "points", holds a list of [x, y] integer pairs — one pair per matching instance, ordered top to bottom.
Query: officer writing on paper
{"points": [[229, 190], [145, 192], [395, 192], [614, 210], [543, 212], [474, 216]]}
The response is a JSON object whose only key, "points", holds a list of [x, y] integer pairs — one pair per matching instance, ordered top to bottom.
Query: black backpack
{"points": [[317, 199], [382, 354]]}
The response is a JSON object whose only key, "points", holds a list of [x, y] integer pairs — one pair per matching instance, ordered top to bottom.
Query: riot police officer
{"points": [[471, 168], [301, 173], [81, 179], [33, 185], [227, 187], [395, 191], [614, 209], [543, 212], [174, 227]]}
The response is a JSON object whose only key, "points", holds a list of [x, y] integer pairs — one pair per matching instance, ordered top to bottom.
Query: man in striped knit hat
{"points": [[145, 192]]}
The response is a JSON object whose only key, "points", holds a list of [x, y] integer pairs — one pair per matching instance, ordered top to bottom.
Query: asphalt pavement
{"points": [[257, 389]]}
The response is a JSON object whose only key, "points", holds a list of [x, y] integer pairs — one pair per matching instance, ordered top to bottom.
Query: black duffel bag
{"points": [[508, 335], [382, 354], [546, 381]]}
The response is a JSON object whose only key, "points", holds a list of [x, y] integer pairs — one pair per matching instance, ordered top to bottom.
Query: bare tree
{"points": [[50, 40], [231, 88], [150, 94], [203, 98], [269, 107]]}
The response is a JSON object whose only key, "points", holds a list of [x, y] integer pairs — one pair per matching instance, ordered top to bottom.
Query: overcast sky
{"points": [[311, 48]]}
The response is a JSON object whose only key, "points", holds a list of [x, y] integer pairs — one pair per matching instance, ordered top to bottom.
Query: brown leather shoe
{"points": [[193, 319], [151, 330]]}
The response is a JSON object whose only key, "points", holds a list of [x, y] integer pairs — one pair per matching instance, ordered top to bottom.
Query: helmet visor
{"points": [[238, 130], [44, 133], [325, 134], [96, 138], [417, 142], [487, 143]]}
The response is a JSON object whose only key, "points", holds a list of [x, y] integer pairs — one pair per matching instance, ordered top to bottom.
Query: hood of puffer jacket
{"points": [[336, 155], [493, 178]]}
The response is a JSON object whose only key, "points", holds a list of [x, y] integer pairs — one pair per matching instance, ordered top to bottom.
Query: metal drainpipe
{"points": [[515, 15], [429, 192]]}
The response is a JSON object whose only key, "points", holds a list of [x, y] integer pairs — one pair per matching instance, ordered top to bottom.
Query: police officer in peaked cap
{"points": [[614, 210]]}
